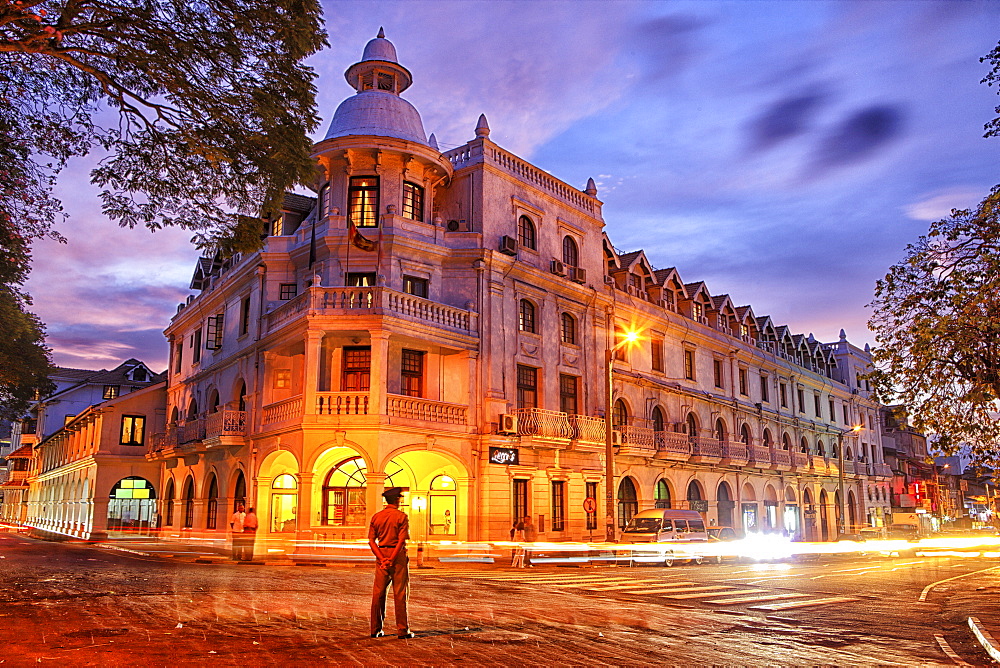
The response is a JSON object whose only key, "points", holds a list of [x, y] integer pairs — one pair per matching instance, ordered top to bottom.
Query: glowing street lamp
{"points": [[628, 337], [840, 474]]}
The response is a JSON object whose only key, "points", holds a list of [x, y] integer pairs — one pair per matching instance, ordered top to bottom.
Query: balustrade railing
{"points": [[377, 301], [342, 403], [416, 408], [282, 411], [226, 423], [588, 429], [191, 430], [638, 438], [673, 442], [703, 446], [736, 451], [760, 455], [781, 457], [800, 460]]}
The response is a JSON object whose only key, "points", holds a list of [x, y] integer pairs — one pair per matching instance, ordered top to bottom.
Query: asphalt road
{"points": [[78, 605]]}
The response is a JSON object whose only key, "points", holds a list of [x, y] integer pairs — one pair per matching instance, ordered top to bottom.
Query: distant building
{"points": [[440, 321]]}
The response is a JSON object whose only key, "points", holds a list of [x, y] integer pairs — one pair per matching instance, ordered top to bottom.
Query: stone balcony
{"points": [[355, 302], [357, 408], [222, 428], [705, 450], [735, 453], [760, 457], [781, 460]]}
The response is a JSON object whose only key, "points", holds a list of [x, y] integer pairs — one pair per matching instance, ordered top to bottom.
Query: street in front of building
{"points": [[77, 604]]}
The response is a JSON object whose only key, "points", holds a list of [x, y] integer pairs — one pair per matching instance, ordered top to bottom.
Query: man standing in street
{"points": [[236, 524], [249, 534], [387, 536]]}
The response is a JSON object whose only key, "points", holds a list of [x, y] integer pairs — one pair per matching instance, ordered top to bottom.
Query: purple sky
{"points": [[783, 152]]}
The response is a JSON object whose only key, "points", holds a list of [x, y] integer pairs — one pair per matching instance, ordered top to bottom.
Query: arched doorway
{"points": [[239, 491], [344, 493], [662, 494], [628, 501], [168, 502], [284, 502], [189, 503], [725, 505], [132, 506], [443, 506], [748, 509], [770, 509], [852, 513], [212, 516], [809, 516], [791, 523]]}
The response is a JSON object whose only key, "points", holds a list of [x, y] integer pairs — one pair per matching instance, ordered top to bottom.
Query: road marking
{"points": [[585, 583], [632, 586], [927, 589], [684, 590], [709, 594], [753, 599], [803, 604], [946, 648]]}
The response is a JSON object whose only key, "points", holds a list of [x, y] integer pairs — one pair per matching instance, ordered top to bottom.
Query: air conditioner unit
{"points": [[458, 226], [508, 245], [557, 268], [577, 275], [609, 280], [634, 291], [668, 305], [703, 319], [508, 423], [616, 438]]}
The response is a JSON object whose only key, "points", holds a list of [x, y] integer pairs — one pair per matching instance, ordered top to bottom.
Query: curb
{"points": [[985, 638]]}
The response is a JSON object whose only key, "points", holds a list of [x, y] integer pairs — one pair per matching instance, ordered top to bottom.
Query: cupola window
{"points": [[362, 198], [413, 201]]}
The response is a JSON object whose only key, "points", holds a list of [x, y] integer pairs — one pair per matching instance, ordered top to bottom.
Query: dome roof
{"points": [[380, 49], [378, 113]]}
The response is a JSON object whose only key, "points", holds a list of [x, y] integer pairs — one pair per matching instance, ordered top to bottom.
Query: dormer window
{"points": [[697, 311]]}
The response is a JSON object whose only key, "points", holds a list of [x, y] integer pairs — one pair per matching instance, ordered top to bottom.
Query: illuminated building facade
{"points": [[438, 321]]}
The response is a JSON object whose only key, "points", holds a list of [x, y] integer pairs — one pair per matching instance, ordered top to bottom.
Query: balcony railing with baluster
{"points": [[342, 403], [415, 408], [226, 422], [542, 423], [588, 429], [637, 441], [673, 445], [703, 446], [735, 452], [760, 456], [782, 458], [800, 461]]}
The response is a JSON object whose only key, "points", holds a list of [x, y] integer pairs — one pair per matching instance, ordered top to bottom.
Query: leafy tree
{"points": [[199, 111], [993, 126], [937, 327]]}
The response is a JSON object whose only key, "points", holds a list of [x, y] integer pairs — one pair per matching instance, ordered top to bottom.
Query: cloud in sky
{"points": [[785, 153]]}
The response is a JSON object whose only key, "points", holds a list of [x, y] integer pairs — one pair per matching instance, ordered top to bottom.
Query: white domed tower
{"points": [[379, 172]]}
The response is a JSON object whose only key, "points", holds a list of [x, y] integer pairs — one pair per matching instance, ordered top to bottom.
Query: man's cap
{"points": [[393, 493]]}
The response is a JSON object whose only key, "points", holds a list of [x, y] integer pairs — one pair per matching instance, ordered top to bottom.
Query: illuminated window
{"points": [[362, 201], [413, 201], [526, 232], [361, 279], [415, 286], [697, 311], [526, 316], [412, 373], [356, 375], [282, 379], [111, 391], [133, 429], [443, 483], [133, 488], [344, 493], [662, 494], [284, 499], [132, 506]]}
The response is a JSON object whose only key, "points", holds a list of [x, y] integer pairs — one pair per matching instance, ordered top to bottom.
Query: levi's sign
{"points": [[504, 456]]}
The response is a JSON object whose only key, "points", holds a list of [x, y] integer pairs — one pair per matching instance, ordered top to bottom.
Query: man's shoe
{"points": [[378, 634], [407, 635]]}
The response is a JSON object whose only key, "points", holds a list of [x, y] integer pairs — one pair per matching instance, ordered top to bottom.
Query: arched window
{"points": [[324, 201], [526, 232], [571, 253], [526, 316], [568, 330], [241, 396], [213, 401], [192, 411], [619, 416], [659, 422], [692, 425], [720, 430], [745, 434], [766, 438], [786, 443], [804, 446], [820, 448], [239, 491], [694, 491], [344, 493], [662, 494], [284, 498], [169, 501], [628, 502], [189, 503], [132, 505], [211, 522]]}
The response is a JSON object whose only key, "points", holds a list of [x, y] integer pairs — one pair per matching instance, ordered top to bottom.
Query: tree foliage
{"points": [[993, 57], [213, 108], [199, 111], [937, 327]]}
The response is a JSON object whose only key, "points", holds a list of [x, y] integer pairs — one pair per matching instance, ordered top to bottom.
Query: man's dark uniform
{"points": [[389, 530]]}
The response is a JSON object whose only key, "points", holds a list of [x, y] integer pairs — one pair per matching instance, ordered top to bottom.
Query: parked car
{"points": [[675, 532], [717, 535]]}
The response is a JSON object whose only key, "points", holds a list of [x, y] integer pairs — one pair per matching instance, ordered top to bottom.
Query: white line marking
{"points": [[927, 589], [708, 594], [753, 599], [803, 604], [946, 648]]}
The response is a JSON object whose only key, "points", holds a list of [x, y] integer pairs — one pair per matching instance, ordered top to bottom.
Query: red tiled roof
{"points": [[25, 452], [15, 483]]}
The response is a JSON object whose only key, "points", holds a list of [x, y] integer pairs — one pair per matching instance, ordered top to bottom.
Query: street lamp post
{"points": [[609, 452], [840, 476]]}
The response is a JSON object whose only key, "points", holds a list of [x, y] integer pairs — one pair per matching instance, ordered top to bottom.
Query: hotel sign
{"points": [[504, 456]]}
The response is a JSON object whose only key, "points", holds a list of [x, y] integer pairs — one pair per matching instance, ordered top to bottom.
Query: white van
{"points": [[683, 530]]}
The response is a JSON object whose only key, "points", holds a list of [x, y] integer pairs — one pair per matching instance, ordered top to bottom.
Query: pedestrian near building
{"points": [[236, 525], [250, 525], [530, 532], [387, 535]]}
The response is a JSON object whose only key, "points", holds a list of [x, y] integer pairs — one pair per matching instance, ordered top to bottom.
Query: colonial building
{"points": [[442, 321]]}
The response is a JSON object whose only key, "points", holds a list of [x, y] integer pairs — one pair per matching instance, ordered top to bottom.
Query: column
{"points": [[310, 372], [379, 373], [373, 493], [303, 514]]}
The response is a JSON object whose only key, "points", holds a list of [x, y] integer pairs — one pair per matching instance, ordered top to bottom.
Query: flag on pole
{"points": [[358, 240]]}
